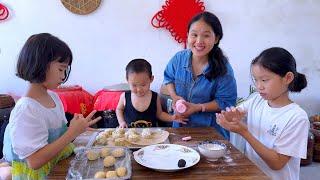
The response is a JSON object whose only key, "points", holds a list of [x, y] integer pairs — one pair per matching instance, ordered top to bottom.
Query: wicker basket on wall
{"points": [[81, 7], [6, 101]]}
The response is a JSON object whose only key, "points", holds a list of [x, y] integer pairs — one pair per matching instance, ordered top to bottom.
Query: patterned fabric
{"points": [[32, 127], [21, 171]]}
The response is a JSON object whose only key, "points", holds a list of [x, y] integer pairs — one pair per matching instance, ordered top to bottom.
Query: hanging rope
{"points": [[4, 13], [175, 16]]}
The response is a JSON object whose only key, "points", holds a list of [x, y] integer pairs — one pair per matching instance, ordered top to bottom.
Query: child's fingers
{"points": [[228, 109], [233, 109], [240, 113], [91, 114], [227, 115], [80, 116], [94, 120], [220, 120], [229, 125], [92, 129]]}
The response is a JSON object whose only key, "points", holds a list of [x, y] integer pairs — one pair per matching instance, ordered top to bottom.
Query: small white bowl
{"points": [[212, 150]]}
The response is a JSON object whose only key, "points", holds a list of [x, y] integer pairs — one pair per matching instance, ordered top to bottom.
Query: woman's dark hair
{"points": [[37, 54], [217, 61], [280, 61], [138, 66]]}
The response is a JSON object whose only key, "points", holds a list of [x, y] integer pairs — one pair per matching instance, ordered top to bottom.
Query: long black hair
{"points": [[217, 60], [280, 61]]}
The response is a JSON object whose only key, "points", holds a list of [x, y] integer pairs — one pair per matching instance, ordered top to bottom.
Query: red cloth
{"points": [[175, 16], [75, 99], [106, 100]]}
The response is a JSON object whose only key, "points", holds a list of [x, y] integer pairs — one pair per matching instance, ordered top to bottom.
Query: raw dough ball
{"points": [[132, 130], [119, 131], [108, 132], [146, 133], [105, 134], [116, 135], [133, 137], [101, 139], [120, 142], [104, 152], [119, 152], [92, 155], [109, 161], [121, 171], [99, 174], [111, 174]]}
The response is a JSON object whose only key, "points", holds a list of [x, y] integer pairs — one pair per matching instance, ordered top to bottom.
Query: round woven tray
{"points": [[81, 7], [6, 101]]}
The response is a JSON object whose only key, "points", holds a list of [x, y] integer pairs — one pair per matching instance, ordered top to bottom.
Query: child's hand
{"points": [[233, 114], [180, 119], [231, 120], [79, 124], [123, 125]]}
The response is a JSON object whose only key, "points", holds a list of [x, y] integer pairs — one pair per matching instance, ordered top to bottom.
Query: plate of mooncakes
{"points": [[130, 137]]}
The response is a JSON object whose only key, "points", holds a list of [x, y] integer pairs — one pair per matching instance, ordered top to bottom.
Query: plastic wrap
{"points": [[82, 168]]}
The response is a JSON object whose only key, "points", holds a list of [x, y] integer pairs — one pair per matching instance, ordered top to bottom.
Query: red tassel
{"points": [[4, 13], [175, 16]]}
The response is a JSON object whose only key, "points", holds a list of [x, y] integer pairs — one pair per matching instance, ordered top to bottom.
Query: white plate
{"points": [[165, 157]]}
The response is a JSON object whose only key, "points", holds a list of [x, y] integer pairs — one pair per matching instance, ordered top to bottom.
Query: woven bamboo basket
{"points": [[81, 7], [6, 101]]}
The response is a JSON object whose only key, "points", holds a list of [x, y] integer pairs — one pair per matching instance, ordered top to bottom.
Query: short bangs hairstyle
{"points": [[37, 54], [139, 66]]}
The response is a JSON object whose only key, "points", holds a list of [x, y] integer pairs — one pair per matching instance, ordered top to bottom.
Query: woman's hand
{"points": [[191, 109], [180, 119], [231, 119], [79, 124]]}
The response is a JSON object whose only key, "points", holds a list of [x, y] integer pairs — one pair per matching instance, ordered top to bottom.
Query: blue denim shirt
{"points": [[222, 89]]}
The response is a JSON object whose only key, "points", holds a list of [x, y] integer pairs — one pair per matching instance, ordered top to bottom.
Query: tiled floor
{"points": [[310, 172]]}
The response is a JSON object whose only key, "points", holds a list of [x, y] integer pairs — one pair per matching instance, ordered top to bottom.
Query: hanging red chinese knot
{"points": [[4, 12], [175, 16]]}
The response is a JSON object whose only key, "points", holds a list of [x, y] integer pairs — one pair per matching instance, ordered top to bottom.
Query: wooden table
{"points": [[238, 166]]}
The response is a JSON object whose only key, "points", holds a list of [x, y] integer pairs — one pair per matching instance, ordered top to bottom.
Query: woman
{"points": [[202, 75]]}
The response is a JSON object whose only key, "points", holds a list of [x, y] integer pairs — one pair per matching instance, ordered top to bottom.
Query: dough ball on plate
{"points": [[108, 131], [146, 133], [133, 137], [101, 139], [120, 141], [104, 152], [119, 152], [92, 155], [109, 161], [121, 171], [100, 174], [111, 174]]}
